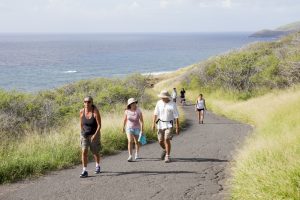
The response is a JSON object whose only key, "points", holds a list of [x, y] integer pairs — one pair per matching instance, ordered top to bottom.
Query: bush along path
{"points": [[200, 157]]}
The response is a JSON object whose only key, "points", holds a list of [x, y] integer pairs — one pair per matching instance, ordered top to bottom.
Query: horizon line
{"points": [[129, 32]]}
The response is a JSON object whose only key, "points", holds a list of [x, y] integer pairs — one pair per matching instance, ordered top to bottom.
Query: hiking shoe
{"points": [[163, 154], [129, 159], [167, 159], [97, 170], [84, 174]]}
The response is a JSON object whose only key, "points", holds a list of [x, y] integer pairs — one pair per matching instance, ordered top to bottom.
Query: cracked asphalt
{"points": [[200, 155]]}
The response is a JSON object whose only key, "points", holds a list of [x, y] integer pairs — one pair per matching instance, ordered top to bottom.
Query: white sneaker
{"points": [[136, 156], [129, 159], [167, 159]]}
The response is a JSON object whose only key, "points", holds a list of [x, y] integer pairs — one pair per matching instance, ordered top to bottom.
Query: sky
{"points": [[95, 16]]}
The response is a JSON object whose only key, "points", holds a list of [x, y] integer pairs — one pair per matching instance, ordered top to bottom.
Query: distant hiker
{"points": [[174, 95], [182, 96], [200, 107], [165, 114], [90, 123], [133, 126]]}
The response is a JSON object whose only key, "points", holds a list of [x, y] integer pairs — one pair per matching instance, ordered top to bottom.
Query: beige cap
{"points": [[164, 94], [131, 101]]}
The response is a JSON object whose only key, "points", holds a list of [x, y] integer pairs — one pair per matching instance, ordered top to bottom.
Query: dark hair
{"points": [[201, 95]]}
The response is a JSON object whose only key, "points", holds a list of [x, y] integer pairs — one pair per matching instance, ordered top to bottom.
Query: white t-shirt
{"points": [[174, 95], [200, 104], [166, 112]]}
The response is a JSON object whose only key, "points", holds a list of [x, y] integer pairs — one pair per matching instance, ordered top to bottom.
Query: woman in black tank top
{"points": [[90, 122], [89, 125]]}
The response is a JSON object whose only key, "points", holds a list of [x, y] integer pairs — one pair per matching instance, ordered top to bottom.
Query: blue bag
{"points": [[142, 139]]}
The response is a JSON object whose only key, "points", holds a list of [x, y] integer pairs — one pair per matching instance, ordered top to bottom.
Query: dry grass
{"points": [[35, 153]]}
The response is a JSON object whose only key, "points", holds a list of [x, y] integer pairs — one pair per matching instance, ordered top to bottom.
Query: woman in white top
{"points": [[200, 107]]}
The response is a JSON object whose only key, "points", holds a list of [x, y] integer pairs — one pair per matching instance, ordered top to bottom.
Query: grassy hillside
{"points": [[290, 27], [250, 71], [257, 84], [21, 112], [40, 132], [35, 153]]}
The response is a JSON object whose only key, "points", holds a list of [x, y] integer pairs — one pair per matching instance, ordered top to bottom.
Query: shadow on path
{"points": [[221, 123], [198, 160], [108, 173]]}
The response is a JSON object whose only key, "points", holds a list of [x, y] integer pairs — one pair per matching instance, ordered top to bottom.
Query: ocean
{"points": [[34, 62]]}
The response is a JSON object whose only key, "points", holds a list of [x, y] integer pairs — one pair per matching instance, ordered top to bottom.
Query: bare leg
{"points": [[202, 116], [199, 117], [130, 141], [137, 144], [162, 144], [168, 146], [84, 157], [97, 158]]}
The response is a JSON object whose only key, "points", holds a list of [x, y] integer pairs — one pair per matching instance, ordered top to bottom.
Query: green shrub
{"points": [[247, 72], [52, 108]]}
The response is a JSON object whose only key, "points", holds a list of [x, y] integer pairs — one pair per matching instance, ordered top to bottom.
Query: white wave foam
{"points": [[70, 71], [156, 73]]}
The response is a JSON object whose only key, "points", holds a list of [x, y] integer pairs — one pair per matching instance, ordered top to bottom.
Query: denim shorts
{"points": [[133, 131]]}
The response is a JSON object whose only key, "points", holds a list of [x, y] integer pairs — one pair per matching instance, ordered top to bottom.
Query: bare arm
{"points": [[80, 115], [98, 119], [154, 122], [124, 123], [142, 123], [177, 126]]}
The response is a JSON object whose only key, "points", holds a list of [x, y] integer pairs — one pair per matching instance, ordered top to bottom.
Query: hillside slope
{"points": [[280, 31], [250, 71], [257, 84]]}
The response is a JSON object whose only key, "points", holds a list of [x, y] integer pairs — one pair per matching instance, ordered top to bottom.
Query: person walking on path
{"points": [[174, 95], [182, 96], [200, 107], [165, 114], [90, 123], [133, 126]]}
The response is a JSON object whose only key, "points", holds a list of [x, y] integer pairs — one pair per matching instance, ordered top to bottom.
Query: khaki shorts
{"points": [[163, 134], [94, 146]]}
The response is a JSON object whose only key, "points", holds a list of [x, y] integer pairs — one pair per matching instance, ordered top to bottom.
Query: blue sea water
{"points": [[33, 62]]}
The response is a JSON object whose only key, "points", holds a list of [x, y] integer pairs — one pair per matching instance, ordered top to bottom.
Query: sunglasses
{"points": [[87, 101]]}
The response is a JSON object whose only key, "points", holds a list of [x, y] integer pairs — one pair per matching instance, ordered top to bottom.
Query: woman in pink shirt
{"points": [[133, 126]]}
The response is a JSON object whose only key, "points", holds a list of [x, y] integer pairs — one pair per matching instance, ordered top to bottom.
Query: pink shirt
{"points": [[133, 118]]}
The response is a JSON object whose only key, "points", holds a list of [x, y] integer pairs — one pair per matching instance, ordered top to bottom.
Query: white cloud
{"points": [[164, 3], [227, 3], [135, 5], [145, 15]]}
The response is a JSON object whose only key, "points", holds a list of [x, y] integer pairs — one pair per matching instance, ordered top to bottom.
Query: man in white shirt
{"points": [[165, 116]]}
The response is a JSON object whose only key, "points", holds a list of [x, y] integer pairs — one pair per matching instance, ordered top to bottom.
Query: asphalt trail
{"points": [[201, 156]]}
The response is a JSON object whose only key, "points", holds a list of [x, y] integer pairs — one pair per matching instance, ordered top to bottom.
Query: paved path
{"points": [[201, 156]]}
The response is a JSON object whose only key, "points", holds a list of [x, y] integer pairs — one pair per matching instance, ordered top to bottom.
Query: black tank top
{"points": [[89, 125]]}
